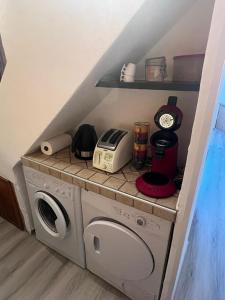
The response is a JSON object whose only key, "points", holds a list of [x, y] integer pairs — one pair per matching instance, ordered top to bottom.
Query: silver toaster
{"points": [[113, 150]]}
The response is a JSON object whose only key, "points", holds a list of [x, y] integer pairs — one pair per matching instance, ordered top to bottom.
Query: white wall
{"points": [[188, 36], [134, 41], [51, 46], [54, 48], [124, 107], [121, 108], [206, 115], [204, 258]]}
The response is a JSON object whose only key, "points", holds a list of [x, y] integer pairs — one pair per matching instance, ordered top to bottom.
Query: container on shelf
{"points": [[188, 67], [155, 69], [141, 136]]}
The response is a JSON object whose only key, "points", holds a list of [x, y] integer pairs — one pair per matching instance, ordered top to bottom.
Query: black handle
{"points": [[172, 100]]}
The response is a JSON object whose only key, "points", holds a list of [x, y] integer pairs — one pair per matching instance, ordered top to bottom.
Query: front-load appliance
{"points": [[113, 150], [57, 216], [126, 247]]}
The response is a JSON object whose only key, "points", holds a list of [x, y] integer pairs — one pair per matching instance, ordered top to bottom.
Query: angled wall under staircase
{"points": [[150, 23], [51, 47], [57, 51]]}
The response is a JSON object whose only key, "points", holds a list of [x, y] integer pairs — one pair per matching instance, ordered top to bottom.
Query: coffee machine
{"points": [[164, 149]]}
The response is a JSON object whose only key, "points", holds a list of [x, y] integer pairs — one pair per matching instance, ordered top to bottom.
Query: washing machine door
{"points": [[51, 214], [118, 250]]}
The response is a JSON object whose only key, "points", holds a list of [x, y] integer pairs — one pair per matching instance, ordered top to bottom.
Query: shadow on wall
{"points": [[132, 44], [2, 59]]}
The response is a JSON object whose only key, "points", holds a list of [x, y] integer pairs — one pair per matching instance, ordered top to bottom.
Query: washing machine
{"points": [[57, 215], [126, 247]]}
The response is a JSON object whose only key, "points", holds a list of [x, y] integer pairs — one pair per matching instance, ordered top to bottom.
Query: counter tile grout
{"points": [[114, 186]]}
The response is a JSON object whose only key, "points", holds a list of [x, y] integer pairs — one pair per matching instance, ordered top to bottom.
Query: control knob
{"points": [[46, 186], [141, 221]]}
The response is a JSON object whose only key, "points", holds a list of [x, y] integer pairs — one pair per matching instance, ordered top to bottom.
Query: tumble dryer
{"points": [[57, 216], [125, 246]]}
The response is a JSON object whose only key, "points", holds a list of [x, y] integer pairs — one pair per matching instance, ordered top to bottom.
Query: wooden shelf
{"points": [[151, 85]]}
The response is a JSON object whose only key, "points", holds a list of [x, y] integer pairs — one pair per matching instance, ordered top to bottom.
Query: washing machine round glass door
{"points": [[51, 214], [118, 250]]}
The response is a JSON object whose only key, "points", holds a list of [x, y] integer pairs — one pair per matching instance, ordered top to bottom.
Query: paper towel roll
{"points": [[56, 144]]}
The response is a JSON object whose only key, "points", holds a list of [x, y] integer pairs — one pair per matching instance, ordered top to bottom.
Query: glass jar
{"points": [[155, 69], [140, 148]]}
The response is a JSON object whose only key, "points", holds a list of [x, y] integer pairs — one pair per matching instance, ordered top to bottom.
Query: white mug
{"points": [[129, 69], [127, 78]]}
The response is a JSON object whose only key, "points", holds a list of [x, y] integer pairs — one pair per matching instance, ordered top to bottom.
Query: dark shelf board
{"points": [[151, 85]]}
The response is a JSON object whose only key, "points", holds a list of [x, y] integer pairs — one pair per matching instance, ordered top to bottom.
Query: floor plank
{"points": [[31, 271]]}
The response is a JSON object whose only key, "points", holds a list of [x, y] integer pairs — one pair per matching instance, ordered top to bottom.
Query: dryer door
{"points": [[51, 214], [117, 249]]}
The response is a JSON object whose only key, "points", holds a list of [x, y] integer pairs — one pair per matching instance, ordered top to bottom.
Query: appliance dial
{"points": [[141, 221]]}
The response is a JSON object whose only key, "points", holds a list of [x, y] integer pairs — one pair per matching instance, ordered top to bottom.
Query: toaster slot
{"points": [[107, 135], [116, 137], [111, 138]]}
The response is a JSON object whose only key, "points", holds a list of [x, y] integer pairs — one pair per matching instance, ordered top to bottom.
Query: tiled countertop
{"points": [[119, 186]]}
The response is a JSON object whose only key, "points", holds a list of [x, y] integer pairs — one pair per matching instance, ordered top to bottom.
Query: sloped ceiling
{"points": [[152, 21], [51, 47], [56, 52], [113, 110]]}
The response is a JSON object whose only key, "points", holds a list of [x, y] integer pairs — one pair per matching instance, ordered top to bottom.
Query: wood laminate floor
{"points": [[31, 271]]}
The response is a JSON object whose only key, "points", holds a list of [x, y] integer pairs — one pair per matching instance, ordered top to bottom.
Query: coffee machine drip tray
{"points": [[155, 178], [155, 185]]}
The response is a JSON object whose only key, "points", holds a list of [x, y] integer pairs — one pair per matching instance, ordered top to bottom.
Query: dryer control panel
{"points": [[140, 219]]}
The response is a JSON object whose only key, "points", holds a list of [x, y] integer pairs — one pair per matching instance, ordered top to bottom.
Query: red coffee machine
{"points": [[164, 148]]}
